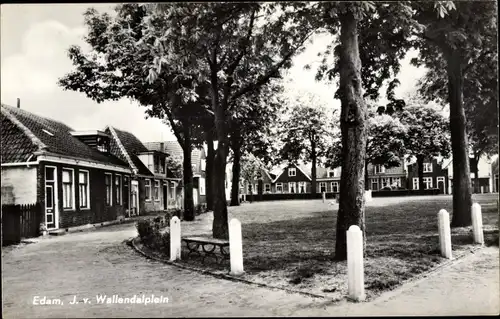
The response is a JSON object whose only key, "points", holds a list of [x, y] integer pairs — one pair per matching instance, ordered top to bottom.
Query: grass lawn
{"points": [[291, 243]]}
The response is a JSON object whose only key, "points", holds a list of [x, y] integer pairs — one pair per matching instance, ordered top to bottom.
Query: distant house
{"points": [[198, 164], [485, 173], [73, 175], [494, 175], [434, 176], [380, 177], [292, 180], [328, 180], [262, 184], [152, 189]]}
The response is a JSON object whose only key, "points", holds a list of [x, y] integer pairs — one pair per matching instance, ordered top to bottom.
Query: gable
{"points": [[300, 176]]}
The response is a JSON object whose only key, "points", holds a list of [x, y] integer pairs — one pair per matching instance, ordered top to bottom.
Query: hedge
{"points": [[406, 192]]}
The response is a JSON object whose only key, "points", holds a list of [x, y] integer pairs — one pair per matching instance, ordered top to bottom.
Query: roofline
{"points": [[88, 132], [34, 139], [122, 149], [284, 169], [307, 175]]}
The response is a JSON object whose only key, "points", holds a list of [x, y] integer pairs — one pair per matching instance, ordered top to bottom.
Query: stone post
{"points": [[368, 196], [477, 224], [444, 233], [175, 238], [235, 247], [355, 271]]}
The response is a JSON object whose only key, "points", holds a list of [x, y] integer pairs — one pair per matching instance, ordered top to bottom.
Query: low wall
{"points": [[406, 192], [285, 196]]}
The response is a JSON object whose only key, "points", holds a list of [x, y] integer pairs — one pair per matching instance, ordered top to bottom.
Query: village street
{"points": [[100, 263]]}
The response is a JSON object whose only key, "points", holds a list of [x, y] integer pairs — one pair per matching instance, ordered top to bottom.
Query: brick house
{"points": [[198, 163], [74, 176], [435, 176], [380, 177], [292, 180], [328, 180], [262, 184], [153, 188]]}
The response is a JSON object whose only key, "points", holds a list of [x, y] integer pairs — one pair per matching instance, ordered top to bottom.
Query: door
{"points": [[440, 185], [165, 195], [134, 207], [51, 213]]}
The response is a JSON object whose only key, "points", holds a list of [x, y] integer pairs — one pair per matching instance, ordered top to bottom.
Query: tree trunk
{"points": [[353, 128], [420, 168], [313, 169], [209, 170], [188, 174], [235, 186], [477, 189], [462, 197], [220, 227]]}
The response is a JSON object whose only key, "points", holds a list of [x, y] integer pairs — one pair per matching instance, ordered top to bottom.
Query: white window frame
{"points": [[203, 165], [427, 167], [379, 169], [292, 170], [374, 181], [385, 181], [397, 181], [428, 182], [415, 183], [147, 184], [201, 184], [256, 185], [279, 185], [322, 185], [111, 186], [156, 187], [294, 187], [299, 187], [333, 187], [250, 188], [267, 188], [87, 190], [72, 194], [119, 194]]}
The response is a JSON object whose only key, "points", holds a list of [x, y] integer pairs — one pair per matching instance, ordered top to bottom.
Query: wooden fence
{"points": [[20, 221]]}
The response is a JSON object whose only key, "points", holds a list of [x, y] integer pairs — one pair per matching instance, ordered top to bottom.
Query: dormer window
{"points": [[103, 144], [292, 171], [331, 173]]}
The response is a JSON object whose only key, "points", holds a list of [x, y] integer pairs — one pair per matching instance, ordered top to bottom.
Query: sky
{"points": [[34, 43]]}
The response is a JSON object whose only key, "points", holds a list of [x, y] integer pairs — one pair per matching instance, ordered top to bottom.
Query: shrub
{"points": [[200, 209], [176, 212], [148, 232]]}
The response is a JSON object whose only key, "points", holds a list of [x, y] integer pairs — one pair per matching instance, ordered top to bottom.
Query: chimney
{"points": [[18, 103], [162, 147]]}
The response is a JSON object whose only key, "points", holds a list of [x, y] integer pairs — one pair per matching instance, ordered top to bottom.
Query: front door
{"points": [[440, 185], [165, 195], [134, 207], [51, 213]]}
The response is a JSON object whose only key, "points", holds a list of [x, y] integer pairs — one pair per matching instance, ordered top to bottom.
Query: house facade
{"points": [[486, 174], [494, 175], [434, 176], [75, 177], [380, 177], [292, 180], [263, 183]]}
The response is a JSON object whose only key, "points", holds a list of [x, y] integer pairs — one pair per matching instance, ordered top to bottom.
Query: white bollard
{"points": [[324, 196], [368, 196], [477, 224], [444, 233], [175, 238], [235, 247], [355, 271]]}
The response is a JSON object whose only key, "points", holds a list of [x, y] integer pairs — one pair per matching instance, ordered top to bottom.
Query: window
{"points": [[162, 166], [427, 167], [379, 169], [292, 171], [331, 173], [49, 174], [67, 179], [385, 181], [396, 182], [427, 182], [415, 183], [374, 184], [147, 185], [202, 186], [256, 187], [292, 187], [302, 187], [322, 187], [335, 187], [250, 188], [267, 188], [279, 188], [83, 189], [109, 189], [118, 189], [157, 190], [172, 190]]}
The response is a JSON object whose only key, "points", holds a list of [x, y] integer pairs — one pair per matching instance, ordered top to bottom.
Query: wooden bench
{"points": [[209, 247]]}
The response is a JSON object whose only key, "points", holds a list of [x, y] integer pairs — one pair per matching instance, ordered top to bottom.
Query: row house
{"points": [[198, 164], [487, 174], [434, 176], [75, 177], [380, 177]]}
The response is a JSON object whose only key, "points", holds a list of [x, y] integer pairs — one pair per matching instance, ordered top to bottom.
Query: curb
{"points": [[132, 242]]}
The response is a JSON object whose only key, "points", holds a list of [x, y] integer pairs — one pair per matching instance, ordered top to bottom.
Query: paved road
{"points": [[99, 263]]}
